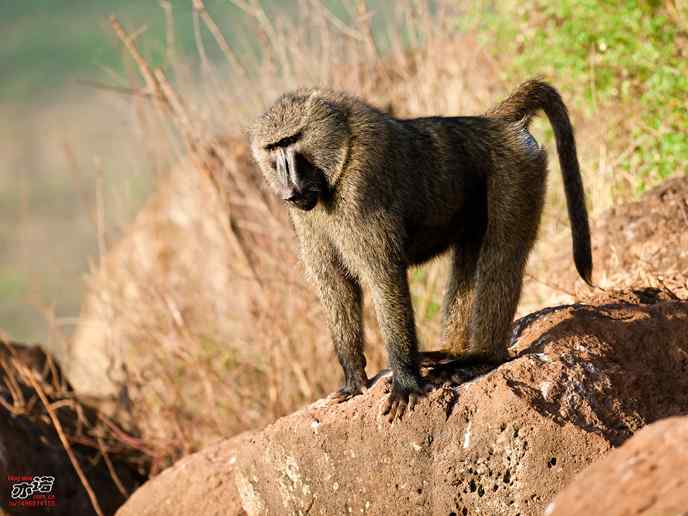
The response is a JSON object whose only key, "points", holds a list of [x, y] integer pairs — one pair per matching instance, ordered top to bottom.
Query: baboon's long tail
{"points": [[530, 97]]}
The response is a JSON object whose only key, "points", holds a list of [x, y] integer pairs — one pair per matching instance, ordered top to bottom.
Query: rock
{"points": [[638, 243], [586, 378], [647, 475], [201, 483]]}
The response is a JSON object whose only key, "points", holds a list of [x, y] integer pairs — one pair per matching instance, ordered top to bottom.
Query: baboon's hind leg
{"points": [[515, 208], [460, 296]]}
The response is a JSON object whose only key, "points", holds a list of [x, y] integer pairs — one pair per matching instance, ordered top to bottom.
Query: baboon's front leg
{"points": [[341, 298], [392, 300]]}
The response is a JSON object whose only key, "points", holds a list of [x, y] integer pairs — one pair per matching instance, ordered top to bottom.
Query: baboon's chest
{"points": [[424, 242]]}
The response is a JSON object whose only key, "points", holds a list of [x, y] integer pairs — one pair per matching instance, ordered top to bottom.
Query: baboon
{"points": [[371, 195]]}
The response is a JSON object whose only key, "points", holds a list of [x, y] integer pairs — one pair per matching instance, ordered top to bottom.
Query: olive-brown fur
{"points": [[393, 193]]}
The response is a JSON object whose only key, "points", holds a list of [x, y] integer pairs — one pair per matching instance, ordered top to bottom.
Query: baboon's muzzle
{"points": [[295, 185]]}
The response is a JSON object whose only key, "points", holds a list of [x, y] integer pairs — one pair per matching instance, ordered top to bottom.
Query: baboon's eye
{"points": [[284, 142]]}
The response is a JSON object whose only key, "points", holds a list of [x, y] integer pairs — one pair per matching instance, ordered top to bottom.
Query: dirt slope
{"points": [[639, 243], [30, 446]]}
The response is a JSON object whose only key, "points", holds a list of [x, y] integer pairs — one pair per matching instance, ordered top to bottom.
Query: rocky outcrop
{"points": [[638, 243], [584, 380], [505, 443], [648, 475], [201, 483]]}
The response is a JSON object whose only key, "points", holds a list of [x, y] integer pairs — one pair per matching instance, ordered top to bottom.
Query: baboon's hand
{"points": [[352, 387], [407, 389]]}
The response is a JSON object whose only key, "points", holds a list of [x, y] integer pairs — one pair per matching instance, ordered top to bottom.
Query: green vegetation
{"points": [[631, 56]]}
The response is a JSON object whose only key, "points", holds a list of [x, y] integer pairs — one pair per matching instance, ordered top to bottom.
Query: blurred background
{"points": [[68, 139], [69, 145], [134, 225]]}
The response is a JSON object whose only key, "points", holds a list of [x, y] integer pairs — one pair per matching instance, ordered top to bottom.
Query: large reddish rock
{"points": [[586, 378], [648, 475], [201, 483]]}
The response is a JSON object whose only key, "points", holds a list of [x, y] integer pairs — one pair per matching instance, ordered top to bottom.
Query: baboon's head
{"points": [[300, 144]]}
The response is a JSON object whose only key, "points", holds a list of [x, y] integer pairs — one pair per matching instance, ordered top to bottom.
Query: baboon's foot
{"points": [[433, 358], [464, 359], [442, 366], [352, 387], [407, 389]]}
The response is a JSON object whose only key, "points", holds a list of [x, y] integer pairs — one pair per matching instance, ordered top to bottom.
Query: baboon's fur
{"points": [[371, 195]]}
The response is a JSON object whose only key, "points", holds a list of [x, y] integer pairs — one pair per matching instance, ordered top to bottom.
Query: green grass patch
{"points": [[631, 54]]}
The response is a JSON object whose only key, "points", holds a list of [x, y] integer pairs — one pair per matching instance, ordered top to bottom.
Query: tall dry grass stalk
{"points": [[199, 322]]}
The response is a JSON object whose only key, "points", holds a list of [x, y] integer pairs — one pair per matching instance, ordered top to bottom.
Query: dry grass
{"points": [[202, 308], [34, 392]]}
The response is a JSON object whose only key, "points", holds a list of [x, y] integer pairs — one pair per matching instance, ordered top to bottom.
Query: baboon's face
{"points": [[296, 144], [292, 176]]}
